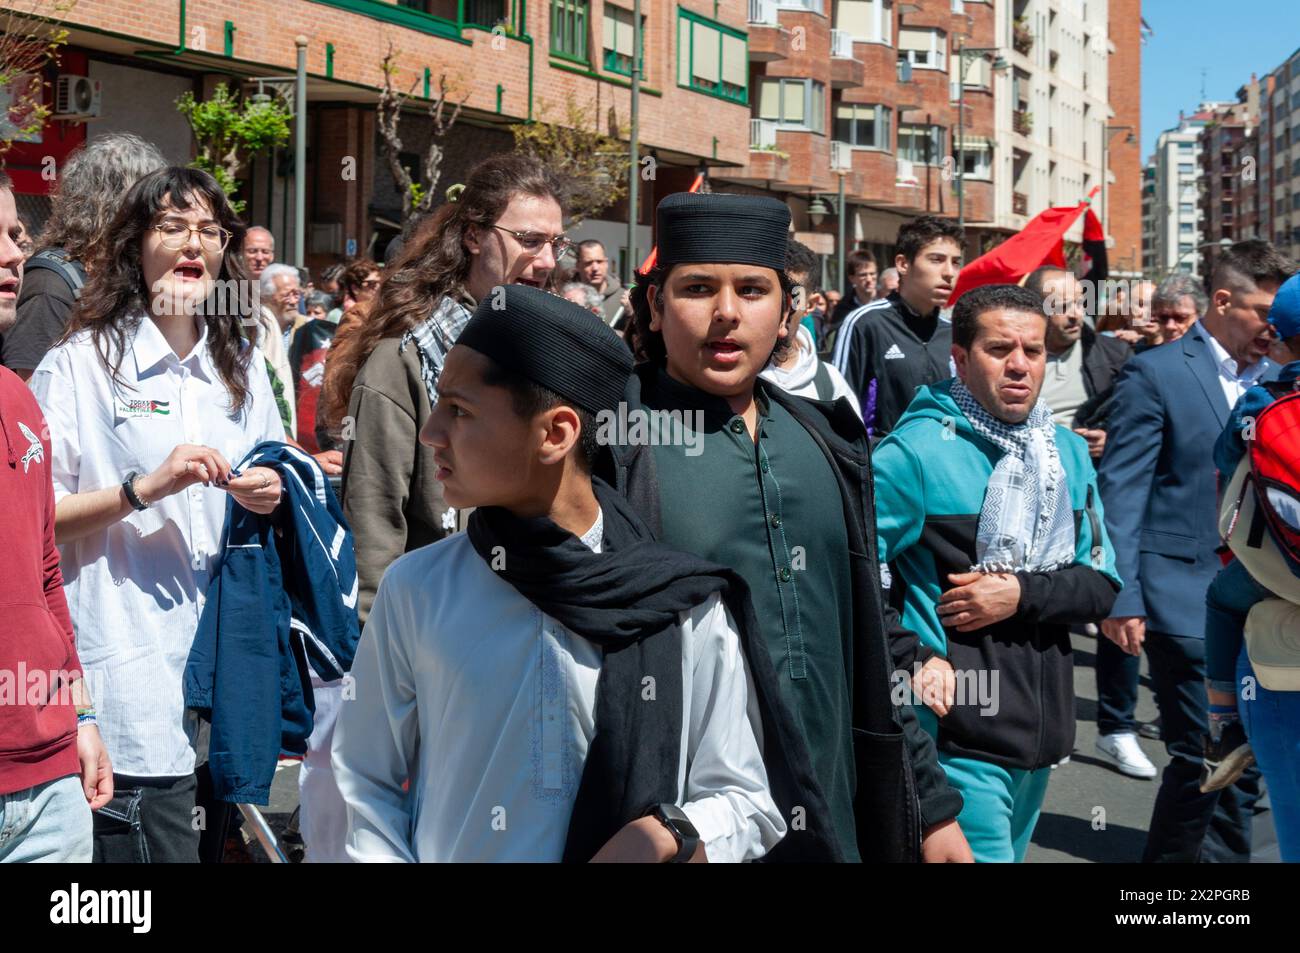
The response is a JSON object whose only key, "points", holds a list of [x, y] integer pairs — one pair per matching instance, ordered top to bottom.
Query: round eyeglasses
{"points": [[175, 236], [533, 242]]}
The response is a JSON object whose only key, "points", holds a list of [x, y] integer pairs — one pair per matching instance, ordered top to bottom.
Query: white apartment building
{"points": [[1052, 112], [1172, 219]]}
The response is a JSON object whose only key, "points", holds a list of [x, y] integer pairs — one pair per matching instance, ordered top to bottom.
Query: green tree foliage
{"points": [[30, 40], [230, 130], [592, 163]]}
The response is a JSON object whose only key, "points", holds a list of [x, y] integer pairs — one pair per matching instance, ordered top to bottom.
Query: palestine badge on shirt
{"points": [[126, 409]]}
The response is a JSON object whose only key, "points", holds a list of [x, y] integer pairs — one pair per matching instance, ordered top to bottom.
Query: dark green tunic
{"points": [[770, 509]]}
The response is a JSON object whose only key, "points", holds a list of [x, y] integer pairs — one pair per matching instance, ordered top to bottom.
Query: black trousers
{"points": [[149, 821], [1186, 825]]}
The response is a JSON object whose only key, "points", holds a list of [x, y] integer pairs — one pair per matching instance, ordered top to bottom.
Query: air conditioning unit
{"points": [[77, 98]]}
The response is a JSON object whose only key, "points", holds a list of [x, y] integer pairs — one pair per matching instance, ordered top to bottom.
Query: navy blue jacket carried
{"points": [[1157, 478], [283, 595]]}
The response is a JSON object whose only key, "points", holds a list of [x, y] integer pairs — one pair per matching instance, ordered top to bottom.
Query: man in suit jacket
{"points": [[1158, 480]]}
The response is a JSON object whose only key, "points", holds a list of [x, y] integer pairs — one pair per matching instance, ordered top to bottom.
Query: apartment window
{"points": [[485, 13], [868, 20], [569, 29], [617, 43], [924, 49], [711, 58], [793, 102], [863, 126], [921, 144], [1186, 146], [977, 161], [1295, 167], [1186, 168], [1295, 202], [1186, 208], [1187, 228]]}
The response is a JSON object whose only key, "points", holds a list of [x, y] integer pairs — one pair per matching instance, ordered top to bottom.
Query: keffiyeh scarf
{"points": [[434, 338], [1026, 521]]}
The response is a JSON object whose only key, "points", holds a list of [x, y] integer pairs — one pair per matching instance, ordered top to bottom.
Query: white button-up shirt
{"points": [[1234, 384], [136, 588], [487, 705]]}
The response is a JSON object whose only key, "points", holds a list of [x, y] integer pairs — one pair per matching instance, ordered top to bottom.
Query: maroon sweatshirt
{"points": [[38, 657]]}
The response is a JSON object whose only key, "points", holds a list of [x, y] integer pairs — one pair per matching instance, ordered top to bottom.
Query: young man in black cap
{"points": [[750, 490], [554, 684]]}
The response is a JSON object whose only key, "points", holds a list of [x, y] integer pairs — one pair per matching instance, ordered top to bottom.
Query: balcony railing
{"points": [[812, 6], [763, 11], [842, 44], [762, 134], [841, 156], [906, 174], [1019, 203]]}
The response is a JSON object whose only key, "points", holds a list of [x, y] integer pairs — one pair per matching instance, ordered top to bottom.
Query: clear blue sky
{"points": [[1228, 39]]}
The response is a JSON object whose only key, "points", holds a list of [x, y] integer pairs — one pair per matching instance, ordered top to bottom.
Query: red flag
{"points": [[1040, 242], [654, 252]]}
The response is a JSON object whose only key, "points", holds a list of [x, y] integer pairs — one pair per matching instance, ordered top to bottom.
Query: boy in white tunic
{"points": [[554, 685]]}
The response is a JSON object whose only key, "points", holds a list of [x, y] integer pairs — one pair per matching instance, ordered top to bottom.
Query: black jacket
{"points": [[1103, 357], [884, 361], [901, 789]]}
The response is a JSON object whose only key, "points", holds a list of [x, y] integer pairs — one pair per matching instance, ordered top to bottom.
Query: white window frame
{"points": [[880, 25], [936, 55], [983, 172]]}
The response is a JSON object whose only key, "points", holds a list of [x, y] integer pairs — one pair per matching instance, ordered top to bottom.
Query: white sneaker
{"points": [[1125, 753]]}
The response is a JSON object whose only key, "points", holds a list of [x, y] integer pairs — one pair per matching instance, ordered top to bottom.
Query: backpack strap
{"points": [[56, 260], [822, 383]]}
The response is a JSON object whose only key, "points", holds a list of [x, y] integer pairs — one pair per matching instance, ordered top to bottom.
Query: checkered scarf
{"points": [[434, 338], [1026, 521]]}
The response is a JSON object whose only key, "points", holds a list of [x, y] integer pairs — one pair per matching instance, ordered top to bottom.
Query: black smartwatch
{"points": [[128, 487], [679, 825]]}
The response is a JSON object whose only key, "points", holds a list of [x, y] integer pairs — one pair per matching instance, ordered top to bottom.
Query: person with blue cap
{"points": [[1271, 718]]}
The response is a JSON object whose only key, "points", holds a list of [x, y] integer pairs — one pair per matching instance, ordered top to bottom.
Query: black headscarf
{"points": [[627, 599]]}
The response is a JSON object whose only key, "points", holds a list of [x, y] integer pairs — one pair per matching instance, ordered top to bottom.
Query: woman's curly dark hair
{"points": [[115, 295], [648, 346]]}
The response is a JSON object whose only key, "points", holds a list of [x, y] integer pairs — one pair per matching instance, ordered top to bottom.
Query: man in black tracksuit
{"points": [[892, 346]]}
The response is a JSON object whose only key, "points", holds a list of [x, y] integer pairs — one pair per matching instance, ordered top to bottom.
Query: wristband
{"points": [[128, 487]]}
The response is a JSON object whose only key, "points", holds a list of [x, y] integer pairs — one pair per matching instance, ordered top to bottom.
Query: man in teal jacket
{"points": [[989, 518]]}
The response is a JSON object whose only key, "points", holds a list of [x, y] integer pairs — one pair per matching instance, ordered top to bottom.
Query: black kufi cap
{"points": [[714, 227], [553, 343]]}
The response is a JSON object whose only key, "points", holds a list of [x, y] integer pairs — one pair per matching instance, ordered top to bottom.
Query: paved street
{"points": [[1065, 831]]}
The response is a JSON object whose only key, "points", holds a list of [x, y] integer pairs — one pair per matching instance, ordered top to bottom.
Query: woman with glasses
{"points": [[503, 227], [151, 394]]}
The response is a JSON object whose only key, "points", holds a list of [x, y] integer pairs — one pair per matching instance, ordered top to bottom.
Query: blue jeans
{"points": [[1227, 603], [1117, 688], [1272, 723], [49, 823], [1186, 825]]}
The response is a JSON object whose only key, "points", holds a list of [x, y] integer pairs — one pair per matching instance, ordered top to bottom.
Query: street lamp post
{"points": [[965, 57], [300, 155], [1223, 244]]}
